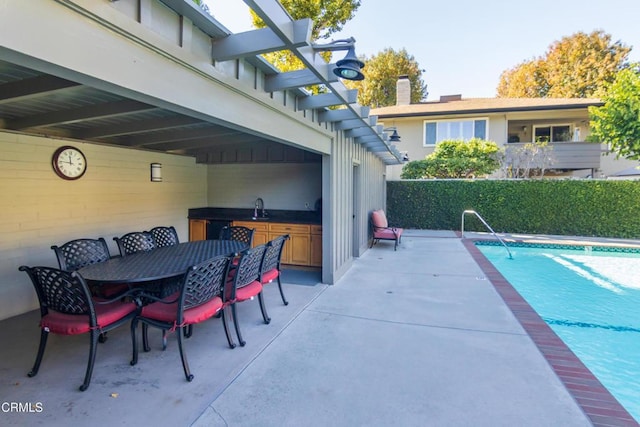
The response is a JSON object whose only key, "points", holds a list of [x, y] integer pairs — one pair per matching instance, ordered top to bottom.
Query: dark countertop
{"points": [[272, 215]]}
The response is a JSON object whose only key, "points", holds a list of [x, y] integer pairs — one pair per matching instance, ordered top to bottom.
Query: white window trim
{"points": [[460, 119], [534, 127]]}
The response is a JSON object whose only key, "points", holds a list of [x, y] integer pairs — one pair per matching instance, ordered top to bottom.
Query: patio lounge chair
{"points": [[382, 231]]}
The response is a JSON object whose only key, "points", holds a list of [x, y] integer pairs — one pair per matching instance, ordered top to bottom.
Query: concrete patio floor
{"points": [[413, 337]]}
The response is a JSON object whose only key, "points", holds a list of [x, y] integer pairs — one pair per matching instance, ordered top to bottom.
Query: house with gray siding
{"points": [[136, 83]]}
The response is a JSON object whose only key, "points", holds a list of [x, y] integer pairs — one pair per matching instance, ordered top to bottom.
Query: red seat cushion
{"points": [[388, 234], [270, 276], [248, 291], [169, 312], [73, 324]]}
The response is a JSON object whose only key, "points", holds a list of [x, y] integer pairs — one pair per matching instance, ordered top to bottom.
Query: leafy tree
{"points": [[202, 5], [328, 16], [577, 66], [381, 71], [526, 80], [618, 120], [456, 159]]}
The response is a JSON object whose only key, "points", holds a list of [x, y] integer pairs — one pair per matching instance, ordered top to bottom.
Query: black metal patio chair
{"points": [[237, 233], [164, 236], [137, 241], [270, 268], [245, 280], [199, 299], [67, 308]]}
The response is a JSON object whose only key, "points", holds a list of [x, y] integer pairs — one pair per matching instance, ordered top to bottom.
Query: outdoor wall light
{"points": [[348, 67], [394, 134], [156, 172]]}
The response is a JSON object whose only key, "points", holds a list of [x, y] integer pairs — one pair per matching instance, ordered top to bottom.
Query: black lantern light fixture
{"points": [[348, 67], [394, 137]]}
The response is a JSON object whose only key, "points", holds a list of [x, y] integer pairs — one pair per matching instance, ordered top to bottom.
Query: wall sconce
{"points": [[348, 67], [524, 129], [405, 156], [156, 172]]}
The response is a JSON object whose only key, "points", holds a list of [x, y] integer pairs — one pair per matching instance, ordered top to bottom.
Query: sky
{"points": [[464, 45]]}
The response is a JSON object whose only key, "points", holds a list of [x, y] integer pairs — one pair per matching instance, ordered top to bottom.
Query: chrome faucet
{"points": [[259, 205]]}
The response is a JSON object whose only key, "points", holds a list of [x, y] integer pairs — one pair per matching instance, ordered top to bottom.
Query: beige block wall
{"points": [[114, 197]]}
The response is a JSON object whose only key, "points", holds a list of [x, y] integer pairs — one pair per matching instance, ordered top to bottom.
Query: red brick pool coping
{"points": [[602, 408]]}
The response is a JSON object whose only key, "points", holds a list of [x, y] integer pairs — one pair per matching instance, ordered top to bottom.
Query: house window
{"points": [[437, 131], [555, 133]]}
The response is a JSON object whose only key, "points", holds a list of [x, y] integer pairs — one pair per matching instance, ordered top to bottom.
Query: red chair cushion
{"points": [[379, 219], [388, 234], [270, 276], [247, 292], [169, 312], [73, 324]]}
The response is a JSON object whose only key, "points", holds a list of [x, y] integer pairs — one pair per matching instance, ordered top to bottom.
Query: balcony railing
{"points": [[574, 155]]}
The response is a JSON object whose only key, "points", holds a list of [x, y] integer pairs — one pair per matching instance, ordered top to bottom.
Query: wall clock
{"points": [[69, 162]]}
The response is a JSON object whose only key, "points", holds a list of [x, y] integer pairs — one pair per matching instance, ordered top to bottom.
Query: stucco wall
{"points": [[411, 129], [115, 196]]}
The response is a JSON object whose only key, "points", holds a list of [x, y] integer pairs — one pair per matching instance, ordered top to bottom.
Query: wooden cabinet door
{"points": [[197, 229], [260, 238], [296, 249], [300, 249], [316, 250]]}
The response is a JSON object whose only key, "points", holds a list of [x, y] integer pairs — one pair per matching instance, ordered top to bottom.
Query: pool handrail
{"points": [[469, 211]]}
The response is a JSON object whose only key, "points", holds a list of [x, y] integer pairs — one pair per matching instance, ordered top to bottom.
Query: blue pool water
{"points": [[591, 299]]}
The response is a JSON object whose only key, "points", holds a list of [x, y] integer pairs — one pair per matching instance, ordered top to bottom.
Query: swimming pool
{"points": [[590, 297]]}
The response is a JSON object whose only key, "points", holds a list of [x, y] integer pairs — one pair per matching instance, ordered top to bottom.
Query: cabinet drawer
{"points": [[259, 226], [289, 228], [316, 229]]}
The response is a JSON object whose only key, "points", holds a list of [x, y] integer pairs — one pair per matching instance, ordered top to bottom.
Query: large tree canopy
{"points": [[328, 16], [577, 66], [381, 71], [617, 122]]}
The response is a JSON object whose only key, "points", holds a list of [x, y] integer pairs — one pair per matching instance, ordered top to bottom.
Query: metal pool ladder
{"points": [[488, 227]]}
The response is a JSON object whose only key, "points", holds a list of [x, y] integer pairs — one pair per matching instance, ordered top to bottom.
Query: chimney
{"points": [[403, 90], [449, 98]]}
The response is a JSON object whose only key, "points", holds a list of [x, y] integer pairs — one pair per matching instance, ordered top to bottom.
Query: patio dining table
{"points": [[157, 264]]}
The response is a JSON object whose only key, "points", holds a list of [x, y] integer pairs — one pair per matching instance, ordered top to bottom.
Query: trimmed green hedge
{"points": [[596, 208]]}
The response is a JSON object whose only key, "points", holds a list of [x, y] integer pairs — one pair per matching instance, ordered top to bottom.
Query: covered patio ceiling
{"points": [[37, 100]]}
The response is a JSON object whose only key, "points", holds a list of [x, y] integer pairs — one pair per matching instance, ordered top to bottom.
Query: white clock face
{"points": [[69, 163]]}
